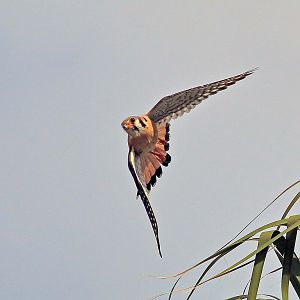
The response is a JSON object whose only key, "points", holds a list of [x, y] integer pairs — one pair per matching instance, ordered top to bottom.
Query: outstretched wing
{"points": [[173, 106], [134, 166]]}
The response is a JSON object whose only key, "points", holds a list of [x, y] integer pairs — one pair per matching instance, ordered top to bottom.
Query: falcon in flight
{"points": [[148, 137]]}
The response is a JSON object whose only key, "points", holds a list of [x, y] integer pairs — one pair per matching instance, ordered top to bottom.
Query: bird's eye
{"points": [[132, 120]]}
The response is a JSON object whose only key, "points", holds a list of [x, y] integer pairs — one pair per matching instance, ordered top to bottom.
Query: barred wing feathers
{"points": [[173, 106], [134, 166]]}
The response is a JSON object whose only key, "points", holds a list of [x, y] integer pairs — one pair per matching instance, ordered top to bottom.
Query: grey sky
{"points": [[71, 71]]}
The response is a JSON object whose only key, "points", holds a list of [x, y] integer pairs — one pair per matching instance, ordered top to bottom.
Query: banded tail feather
{"points": [[134, 167]]}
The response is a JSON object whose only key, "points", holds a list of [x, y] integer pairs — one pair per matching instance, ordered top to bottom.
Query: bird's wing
{"points": [[173, 106], [134, 166]]}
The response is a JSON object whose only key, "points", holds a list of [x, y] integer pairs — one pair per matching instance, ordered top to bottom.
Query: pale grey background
{"points": [[71, 71]]}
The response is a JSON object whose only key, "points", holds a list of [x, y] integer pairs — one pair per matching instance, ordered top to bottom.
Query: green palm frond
{"points": [[268, 237]]}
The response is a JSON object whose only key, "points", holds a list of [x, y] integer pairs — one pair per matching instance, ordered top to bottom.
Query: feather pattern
{"points": [[173, 106], [148, 137], [134, 165]]}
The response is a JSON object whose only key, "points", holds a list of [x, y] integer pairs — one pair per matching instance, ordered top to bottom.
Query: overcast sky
{"points": [[71, 71]]}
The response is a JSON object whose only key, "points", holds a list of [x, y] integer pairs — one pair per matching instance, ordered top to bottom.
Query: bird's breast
{"points": [[146, 141]]}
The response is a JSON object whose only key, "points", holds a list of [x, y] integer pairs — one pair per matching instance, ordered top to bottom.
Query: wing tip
{"points": [[251, 71], [167, 160], [159, 251]]}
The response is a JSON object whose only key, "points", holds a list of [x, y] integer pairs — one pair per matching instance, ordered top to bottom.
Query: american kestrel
{"points": [[148, 137]]}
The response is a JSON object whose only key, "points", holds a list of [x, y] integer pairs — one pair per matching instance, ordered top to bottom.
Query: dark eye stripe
{"points": [[142, 123]]}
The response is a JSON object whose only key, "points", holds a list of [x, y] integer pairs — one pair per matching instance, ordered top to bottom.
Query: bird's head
{"points": [[131, 126], [134, 126]]}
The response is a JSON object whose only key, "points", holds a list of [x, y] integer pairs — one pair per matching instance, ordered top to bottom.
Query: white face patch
{"points": [[138, 127]]}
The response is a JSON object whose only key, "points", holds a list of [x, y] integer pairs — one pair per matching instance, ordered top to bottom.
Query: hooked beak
{"points": [[124, 126]]}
